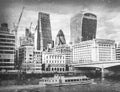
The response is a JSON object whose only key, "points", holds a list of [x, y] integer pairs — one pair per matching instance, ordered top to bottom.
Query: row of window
{"points": [[7, 36], [7, 40], [8, 44], [108, 45], [81, 46], [7, 48], [7, 52], [54, 57], [6, 60], [57, 62], [6, 64], [55, 69], [75, 80]]}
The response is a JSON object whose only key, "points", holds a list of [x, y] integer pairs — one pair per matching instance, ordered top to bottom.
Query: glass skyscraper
{"points": [[83, 27], [44, 36]]}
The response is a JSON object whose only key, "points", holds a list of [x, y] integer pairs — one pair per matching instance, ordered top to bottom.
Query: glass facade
{"points": [[83, 27], [44, 35], [7, 49]]}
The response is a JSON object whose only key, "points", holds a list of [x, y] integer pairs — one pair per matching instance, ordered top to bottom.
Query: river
{"points": [[106, 85]]}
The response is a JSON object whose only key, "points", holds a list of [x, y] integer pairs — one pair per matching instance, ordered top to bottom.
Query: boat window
{"points": [[74, 79], [83, 79], [66, 80], [77, 80]]}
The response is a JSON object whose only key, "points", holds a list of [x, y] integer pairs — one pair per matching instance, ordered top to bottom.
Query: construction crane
{"points": [[17, 26], [30, 26]]}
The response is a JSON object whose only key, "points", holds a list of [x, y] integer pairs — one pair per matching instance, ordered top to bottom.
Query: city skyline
{"points": [[60, 14]]}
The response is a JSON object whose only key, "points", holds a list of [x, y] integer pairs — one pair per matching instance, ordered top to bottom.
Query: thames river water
{"points": [[106, 85]]}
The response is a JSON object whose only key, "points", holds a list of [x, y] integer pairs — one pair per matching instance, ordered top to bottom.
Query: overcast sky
{"points": [[107, 11]]}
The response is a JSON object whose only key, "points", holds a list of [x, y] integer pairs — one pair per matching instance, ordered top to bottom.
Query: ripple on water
{"points": [[100, 86]]}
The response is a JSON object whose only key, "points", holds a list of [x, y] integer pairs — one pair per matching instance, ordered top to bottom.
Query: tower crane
{"points": [[17, 26], [30, 26]]}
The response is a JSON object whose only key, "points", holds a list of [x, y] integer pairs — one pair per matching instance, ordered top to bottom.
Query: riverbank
{"points": [[19, 87]]}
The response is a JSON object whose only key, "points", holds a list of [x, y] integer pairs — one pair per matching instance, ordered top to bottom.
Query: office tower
{"points": [[83, 27], [44, 36], [60, 38], [7, 49], [94, 51]]}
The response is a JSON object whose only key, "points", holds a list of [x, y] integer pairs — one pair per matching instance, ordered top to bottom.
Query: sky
{"points": [[61, 11]]}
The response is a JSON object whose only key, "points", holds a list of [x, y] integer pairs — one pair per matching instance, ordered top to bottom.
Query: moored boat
{"points": [[59, 80]]}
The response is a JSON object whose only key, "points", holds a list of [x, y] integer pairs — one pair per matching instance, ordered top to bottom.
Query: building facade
{"points": [[83, 27], [43, 34], [28, 39], [7, 49], [67, 50], [94, 51], [118, 52], [37, 59], [58, 59], [54, 62], [26, 63]]}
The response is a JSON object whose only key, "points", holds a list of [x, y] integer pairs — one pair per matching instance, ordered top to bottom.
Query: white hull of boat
{"points": [[68, 84]]}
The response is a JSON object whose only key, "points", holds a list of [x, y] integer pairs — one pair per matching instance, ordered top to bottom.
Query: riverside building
{"points": [[7, 49], [94, 51], [118, 52], [26, 58], [37, 59], [56, 59], [54, 62]]}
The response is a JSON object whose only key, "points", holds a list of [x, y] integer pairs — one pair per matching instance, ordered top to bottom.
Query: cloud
{"points": [[107, 11]]}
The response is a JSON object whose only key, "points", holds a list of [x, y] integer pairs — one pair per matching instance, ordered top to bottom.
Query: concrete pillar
{"points": [[102, 73]]}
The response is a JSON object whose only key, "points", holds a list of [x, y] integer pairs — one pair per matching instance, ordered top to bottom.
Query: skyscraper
{"points": [[83, 27], [44, 36], [60, 38], [7, 49]]}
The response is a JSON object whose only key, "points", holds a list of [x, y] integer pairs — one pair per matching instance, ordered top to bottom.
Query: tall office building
{"points": [[83, 27], [44, 36], [60, 38], [7, 49]]}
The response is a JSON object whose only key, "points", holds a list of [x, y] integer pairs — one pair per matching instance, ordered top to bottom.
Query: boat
{"points": [[60, 80]]}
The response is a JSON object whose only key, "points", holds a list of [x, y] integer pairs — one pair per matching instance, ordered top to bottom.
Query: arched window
{"points": [[57, 69]]}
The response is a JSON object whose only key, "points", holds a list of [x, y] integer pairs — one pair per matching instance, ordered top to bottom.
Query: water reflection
{"points": [[107, 85]]}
